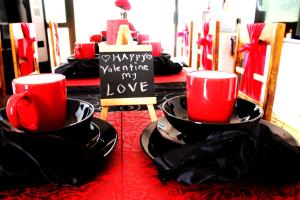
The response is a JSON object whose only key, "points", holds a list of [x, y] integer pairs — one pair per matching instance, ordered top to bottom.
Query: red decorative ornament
{"points": [[124, 4]]}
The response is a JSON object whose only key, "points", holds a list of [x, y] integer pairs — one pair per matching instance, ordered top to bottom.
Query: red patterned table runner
{"points": [[130, 174]]}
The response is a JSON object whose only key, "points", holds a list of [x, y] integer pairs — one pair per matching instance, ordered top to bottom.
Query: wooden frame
{"points": [[215, 32], [16, 33], [273, 35], [55, 59], [2, 77]]}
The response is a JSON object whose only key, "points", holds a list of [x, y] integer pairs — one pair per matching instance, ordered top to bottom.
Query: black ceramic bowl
{"points": [[166, 55], [72, 58], [244, 115], [79, 117]]}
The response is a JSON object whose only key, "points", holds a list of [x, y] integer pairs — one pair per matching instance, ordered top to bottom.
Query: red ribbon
{"points": [[185, 36], [206, 43], [26, 51], [253, 61]]}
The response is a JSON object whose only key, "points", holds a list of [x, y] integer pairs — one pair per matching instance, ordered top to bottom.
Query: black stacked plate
{"points": [[245, 114], [81, 127], [175, 129], [74, 152]]}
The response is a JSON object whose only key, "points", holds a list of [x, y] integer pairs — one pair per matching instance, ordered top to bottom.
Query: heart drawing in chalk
{"points": [[148, 56], [105, 57]]}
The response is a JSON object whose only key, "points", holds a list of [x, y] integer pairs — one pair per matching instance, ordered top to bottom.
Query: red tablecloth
{"points": [[130, 174]]}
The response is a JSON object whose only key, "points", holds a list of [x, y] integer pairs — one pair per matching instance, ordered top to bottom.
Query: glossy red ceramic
{"points": [[142, 37], [96, 38], [156, 47], [84, 50], [211, 95], [39, 102]]}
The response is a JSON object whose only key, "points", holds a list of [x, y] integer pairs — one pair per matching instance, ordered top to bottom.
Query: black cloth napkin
{"points": [[164, 66], [85, 68], [89, 68], [253, 155], [46, 158]]}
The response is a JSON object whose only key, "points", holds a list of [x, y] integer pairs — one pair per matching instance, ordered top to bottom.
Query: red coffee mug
{"points": [[142, 37], [96, 38], [156, 47], [84, 50], [211, 95], [39, 102]]}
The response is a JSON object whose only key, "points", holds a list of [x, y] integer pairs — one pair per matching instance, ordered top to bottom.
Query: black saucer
{"points": [[103, 137], [154, 144], [53, 159]]}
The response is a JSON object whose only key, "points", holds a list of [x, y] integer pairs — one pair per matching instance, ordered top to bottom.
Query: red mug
{"points": [[103, 34], [134, 34], [142, 37], [96, 38], [156, 47], [84, 50], [211, 95], [38, 103]]}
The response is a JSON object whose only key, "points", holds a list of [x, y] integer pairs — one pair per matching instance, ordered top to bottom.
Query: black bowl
{"points": [[166, 55], [72, 58], [245, 114], [79, 117]]}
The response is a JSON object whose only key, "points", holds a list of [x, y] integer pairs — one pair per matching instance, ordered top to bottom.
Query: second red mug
{"points": [[156, 47], [84, 50], [211, 95], [39, 102]]}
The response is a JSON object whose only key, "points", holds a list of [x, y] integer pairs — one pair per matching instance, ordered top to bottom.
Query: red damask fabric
{"points": [[206, 43], [26, 51], [254, 61]]}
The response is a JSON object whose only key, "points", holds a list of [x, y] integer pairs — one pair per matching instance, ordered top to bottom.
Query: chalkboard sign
{"points": [[127, 75]]}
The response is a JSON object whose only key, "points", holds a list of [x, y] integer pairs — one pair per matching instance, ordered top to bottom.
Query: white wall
{"points": [[233, 9], [37, 14], [154, 17], [286, 104]]}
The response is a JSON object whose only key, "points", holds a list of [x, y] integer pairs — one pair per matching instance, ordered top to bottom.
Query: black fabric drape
{"points": [[253, 155]]}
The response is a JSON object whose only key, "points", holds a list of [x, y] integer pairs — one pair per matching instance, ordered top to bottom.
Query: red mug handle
{"points": [[78, 52], [22, 112]]}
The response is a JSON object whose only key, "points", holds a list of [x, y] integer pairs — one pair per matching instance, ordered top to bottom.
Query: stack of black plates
{"points": [[81, 127], [176, 129], [58, 156]]}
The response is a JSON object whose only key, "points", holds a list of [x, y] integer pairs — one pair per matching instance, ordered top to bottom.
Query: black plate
{"points": [[72, 58], [243, 116], [79, 117], [168, 131], [103, 137], [154, 144]]}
